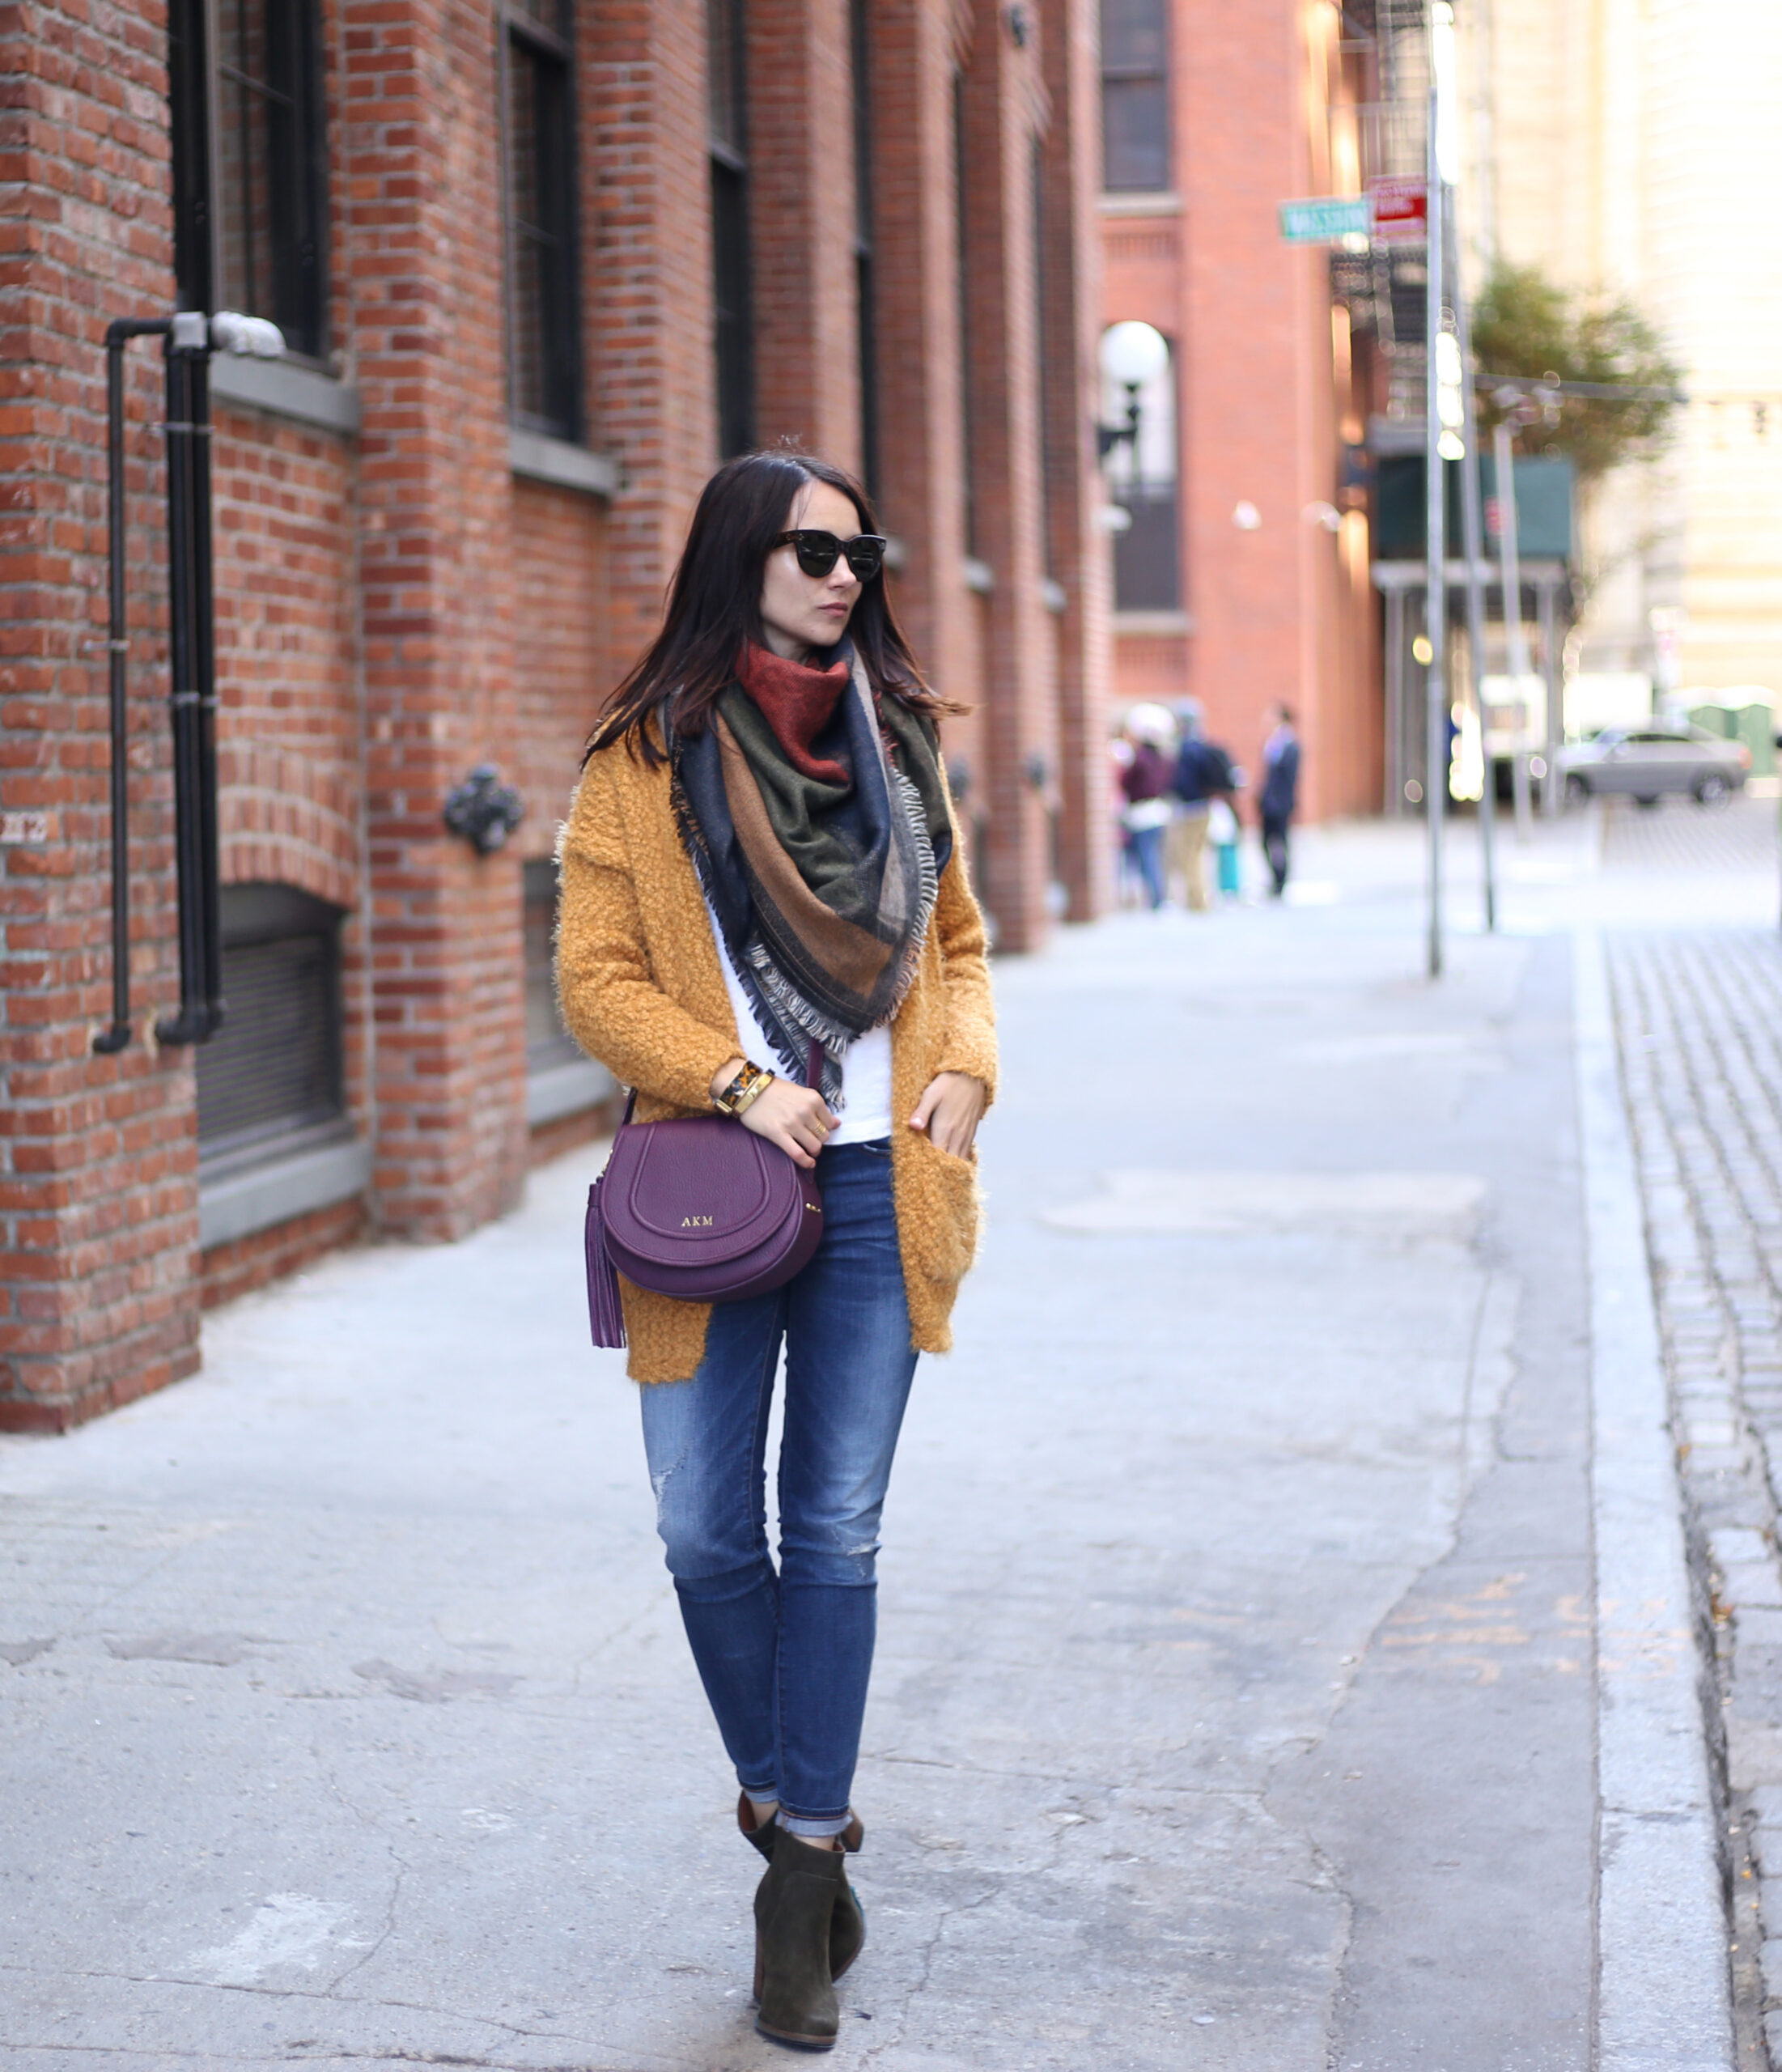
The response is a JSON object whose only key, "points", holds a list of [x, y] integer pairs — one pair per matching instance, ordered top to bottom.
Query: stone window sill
{"points": [[1135, 201], [285, 390], [539, 458], [1151, 625], [566, 1089], [237, 1204]]}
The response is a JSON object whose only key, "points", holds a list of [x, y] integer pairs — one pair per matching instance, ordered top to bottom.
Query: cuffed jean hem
{"points": [[815, 1828]]}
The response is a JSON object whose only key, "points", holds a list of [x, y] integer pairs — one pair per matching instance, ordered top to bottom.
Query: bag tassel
{"points": [[606, 1315]]}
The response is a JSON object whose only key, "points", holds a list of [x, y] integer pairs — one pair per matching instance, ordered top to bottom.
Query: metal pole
{"points": [[117, 336], [1472, 532], [188, 540], [1508, 550], [1435, 552], [204, 653], [1517, 657], [1551, 670], [1394, 800]]}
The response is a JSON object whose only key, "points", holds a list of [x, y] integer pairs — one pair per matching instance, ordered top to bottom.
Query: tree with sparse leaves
{"points": [[1525, 324]]}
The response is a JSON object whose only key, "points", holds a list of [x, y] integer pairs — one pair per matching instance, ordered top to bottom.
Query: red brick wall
{"points": [[1005, 110], [802, 220], [422, 245], [649, 288], [920, 396], [1078, 554], [560, 613], [291, 800], [571, 1132], [98, 1197], [244, 1264]]}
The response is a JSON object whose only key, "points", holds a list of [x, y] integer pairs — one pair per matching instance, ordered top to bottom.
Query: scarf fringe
{"points": [[927, 883]]}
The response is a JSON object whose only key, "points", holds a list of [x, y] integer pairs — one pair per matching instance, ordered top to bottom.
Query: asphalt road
{"points": [[1235, 1699]]}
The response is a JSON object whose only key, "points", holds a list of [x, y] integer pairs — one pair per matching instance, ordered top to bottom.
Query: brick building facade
{"points": [[544, 263], [1243, 577]]}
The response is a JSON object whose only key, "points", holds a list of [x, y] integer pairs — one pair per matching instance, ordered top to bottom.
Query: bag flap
{"points": [[696, 1189]]}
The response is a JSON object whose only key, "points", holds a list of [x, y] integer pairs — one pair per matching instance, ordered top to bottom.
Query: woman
{"points": [[1145, 782], [761, 852]]}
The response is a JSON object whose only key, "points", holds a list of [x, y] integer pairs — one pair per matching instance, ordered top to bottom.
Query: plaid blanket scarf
{"points": [[816, 821]]}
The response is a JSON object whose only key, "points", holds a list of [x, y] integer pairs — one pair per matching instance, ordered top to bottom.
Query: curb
{"points": [[1663, 1979]]}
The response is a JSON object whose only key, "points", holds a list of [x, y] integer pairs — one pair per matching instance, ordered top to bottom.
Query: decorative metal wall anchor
{"points": [[484, 810]]}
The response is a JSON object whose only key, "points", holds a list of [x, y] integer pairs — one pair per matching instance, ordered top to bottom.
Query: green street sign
{"points": [[1323, 221]]}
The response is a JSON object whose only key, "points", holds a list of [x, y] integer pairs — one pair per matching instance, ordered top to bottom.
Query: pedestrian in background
{"points": [[1203, 773], [1146, 781], [1279, 793], [1222, 838], [761, 852], [1127, 890]]}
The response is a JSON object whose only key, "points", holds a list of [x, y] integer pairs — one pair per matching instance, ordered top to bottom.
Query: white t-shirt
{"points": [[866, 1072]]}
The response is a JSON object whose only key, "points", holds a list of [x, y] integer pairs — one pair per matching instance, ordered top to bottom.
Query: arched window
{"points": [[1142, 481]]}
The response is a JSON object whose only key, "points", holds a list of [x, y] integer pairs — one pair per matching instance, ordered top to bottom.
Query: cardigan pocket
{"points": [[948, 1209]]}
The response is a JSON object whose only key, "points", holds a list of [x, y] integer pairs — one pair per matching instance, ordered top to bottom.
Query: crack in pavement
{"points": [[326, 1997]]}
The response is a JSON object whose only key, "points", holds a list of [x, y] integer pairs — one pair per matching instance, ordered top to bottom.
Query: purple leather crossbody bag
{"points": [[698, 1207]]}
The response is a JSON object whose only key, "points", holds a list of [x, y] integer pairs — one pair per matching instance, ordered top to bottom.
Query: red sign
{"points": [[1401, 211]]}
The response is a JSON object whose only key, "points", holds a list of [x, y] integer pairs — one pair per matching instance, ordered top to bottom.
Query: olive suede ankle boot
{"points": [[794, 1911], [848, 1930]]}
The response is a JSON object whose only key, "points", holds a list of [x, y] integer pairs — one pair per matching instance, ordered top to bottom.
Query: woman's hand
{"points": [[950, 1111], [796, 1117]]}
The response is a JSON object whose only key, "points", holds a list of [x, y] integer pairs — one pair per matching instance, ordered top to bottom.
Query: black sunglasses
{"points": [[818, 552]]}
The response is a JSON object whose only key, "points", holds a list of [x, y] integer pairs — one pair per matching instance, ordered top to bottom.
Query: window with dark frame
{"points": [[861, 51], [727, 60], [1136, 96], [250, 173], [544, 287], [1147, 555], [271, 1081]]}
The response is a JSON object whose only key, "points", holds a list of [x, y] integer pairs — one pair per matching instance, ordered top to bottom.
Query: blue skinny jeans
{"points": [[785, 1655]]}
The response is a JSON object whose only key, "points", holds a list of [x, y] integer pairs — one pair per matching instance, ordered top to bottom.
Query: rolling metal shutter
{"points": [[273, 1072]]}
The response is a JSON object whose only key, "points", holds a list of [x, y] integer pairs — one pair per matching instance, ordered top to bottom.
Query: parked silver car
{"points": [[1647, 761]]}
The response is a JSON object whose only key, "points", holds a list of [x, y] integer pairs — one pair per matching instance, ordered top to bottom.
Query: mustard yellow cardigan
{"points": [[641, 989]]}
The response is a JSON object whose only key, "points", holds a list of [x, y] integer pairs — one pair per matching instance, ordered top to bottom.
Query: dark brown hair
{"points": [[714, 606]]}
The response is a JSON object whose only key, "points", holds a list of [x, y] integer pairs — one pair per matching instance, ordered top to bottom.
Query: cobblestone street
{"points": [[1700, 1018]]}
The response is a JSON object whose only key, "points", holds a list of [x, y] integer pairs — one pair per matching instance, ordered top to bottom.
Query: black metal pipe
{"points": [[117, 336], [204, 632], [193, 699]]}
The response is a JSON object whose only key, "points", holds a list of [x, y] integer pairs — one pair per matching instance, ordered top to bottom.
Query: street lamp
{"points": [[1133, 355]]}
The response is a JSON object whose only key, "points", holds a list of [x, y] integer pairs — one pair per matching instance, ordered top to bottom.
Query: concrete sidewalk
{"points": [[1236, 1704]]}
